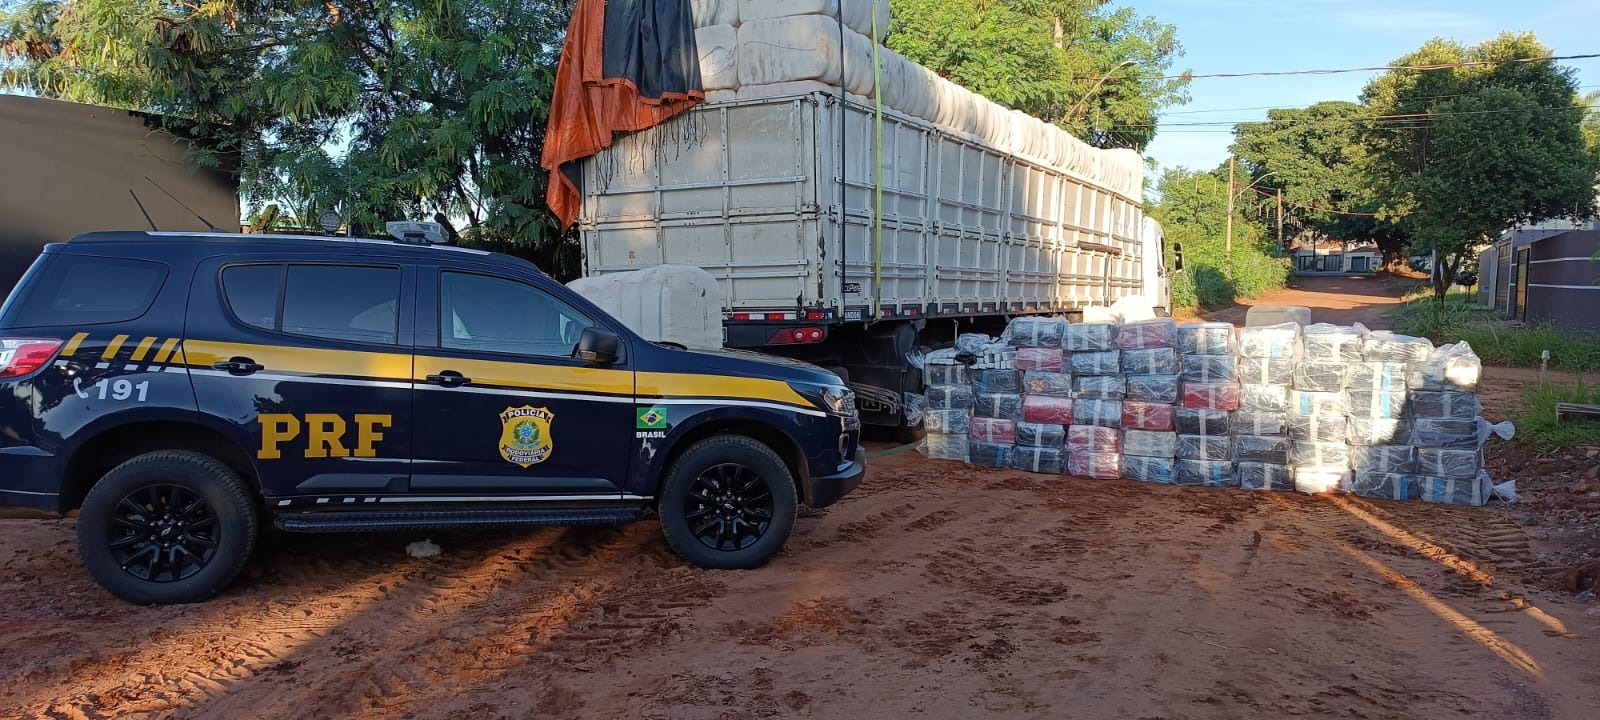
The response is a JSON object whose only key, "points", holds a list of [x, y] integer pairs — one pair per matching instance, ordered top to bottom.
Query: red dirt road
{"points": [[1341, 300]]}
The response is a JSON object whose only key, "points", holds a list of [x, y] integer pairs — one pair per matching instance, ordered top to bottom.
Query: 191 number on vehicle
{"points": [[119, 390]]}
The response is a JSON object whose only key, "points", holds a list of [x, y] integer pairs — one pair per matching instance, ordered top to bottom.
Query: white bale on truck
{"points": [[675, 304]]}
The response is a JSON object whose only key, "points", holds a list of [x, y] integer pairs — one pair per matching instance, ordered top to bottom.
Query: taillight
{"points": [[797, 336], [21, 356]]}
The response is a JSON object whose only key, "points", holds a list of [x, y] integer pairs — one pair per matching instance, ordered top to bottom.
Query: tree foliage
{"points": [[1091, 68], [384, 109], [1193, 211]]}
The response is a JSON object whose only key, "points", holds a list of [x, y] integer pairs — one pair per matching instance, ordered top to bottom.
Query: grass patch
{"points": [[1456, 319], [1537, 424]]}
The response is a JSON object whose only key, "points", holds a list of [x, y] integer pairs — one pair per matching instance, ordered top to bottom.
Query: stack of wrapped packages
{"points": [[1323, 408]]}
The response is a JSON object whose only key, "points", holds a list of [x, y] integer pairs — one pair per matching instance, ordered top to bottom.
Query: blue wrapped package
{"points": [[1147, 469], [1208, 473]]}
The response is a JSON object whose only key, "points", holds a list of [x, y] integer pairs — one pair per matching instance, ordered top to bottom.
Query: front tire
{"points": [[728, 503], [167, 527]]}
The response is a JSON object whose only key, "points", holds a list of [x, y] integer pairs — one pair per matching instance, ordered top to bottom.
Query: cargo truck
{"points": [[849, 235]]}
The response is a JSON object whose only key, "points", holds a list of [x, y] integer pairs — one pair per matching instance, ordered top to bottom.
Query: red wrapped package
{"points": [[1147, 335], [1046, 359], [1211, 396], [1047, 410], [1146, 416], [992, 430], [1093, 439], [1099, 466]]}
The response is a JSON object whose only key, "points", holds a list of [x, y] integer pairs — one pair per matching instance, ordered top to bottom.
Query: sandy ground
{"points": [[1341, 300]]}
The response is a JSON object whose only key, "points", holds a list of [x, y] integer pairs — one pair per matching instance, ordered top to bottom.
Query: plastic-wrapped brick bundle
{"points": [[1036, 332], [1158, 333], [1089, 337], [1206, 338], [1270, 341], [1324, 342], [973, 343], [1385, 346], [1046, 359], [1154, 361], [1096, 363], [1449, 367], [1209, 369], [1266, 371], [938, 374], [1319, 376], [1375, 376], [997, 381], [1035, 382], [1100, 387], [1161, 389], [1211, 396], [950, 397], [1264, 398], [1317, 403], [1438, 404], [1379, 405], [1001, 406], [1047, 409], [1105, 413], [1146, 416], [1192, 421], [954, 422], [1250, 422], [1318, 428], [991, 430], [1370, 431], [1445, 433], [1041, 435], [1093, 439], [1146, 443], [946, 446], [1205, 447], [1261, 449], [1304, 453], [994, 455], [1383, 458], [1047, 460], [1449, 463], [1099, 466], [1147, 469], [1208, 473], [1264, 476], [1321, 478], [1383, 486], [1455, 491]]}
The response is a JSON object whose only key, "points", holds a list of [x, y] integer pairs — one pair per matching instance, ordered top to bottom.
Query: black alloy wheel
{"points": [[728, 503], [729, 507], [163, 533]]}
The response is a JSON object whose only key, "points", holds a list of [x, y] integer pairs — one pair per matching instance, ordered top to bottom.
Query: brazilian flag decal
{"points": [[651, 418]]}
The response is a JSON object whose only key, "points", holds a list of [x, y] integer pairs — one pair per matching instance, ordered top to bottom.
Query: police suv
{"points": [[181, 390]]}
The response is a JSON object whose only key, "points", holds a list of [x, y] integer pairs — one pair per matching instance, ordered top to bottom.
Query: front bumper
{"points": [[826, 490]]}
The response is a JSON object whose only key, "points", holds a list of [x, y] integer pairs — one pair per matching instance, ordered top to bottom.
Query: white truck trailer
{"points": [[847, 235]]}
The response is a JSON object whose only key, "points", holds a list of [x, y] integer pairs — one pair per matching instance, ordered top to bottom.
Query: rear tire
{"points": [[728, 503], [167, 527]]}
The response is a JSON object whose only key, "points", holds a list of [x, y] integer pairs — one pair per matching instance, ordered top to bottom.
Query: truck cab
{"points": [[182, 390]]}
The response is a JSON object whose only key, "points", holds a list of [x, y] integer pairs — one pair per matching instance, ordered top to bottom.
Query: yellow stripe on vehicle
{"points": [[72, 345], [114, 348], [143, 349], [166, 350], [309, 361], [531, 376], [722, 386]]}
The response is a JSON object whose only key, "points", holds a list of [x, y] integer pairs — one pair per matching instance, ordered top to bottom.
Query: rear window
{"points": [[80, 290], [336, 302]]}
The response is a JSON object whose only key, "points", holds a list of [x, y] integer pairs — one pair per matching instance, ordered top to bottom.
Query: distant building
{"points": [[1333, 256], [1544, 273]]}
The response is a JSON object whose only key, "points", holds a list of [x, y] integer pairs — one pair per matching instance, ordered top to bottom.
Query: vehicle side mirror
{"points": [[1177, 257], [598, 346]]}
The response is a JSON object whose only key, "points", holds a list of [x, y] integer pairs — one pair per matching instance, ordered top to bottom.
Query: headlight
{"points": [[838, 400]]}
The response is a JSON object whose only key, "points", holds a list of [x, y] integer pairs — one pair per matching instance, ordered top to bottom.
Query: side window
{"points": [[82, 290], [252, 293], [337, 302], [490, 314]]}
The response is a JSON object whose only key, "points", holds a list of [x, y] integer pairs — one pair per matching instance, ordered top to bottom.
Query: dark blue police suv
{"points": [[181, 390]]}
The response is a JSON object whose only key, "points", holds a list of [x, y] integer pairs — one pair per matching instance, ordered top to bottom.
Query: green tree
{"points": [[1093, 69], [1590, 105], [387, 109], [1491, 141], [1193, 210]]}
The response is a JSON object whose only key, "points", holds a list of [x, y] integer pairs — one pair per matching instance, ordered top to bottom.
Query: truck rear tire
{"points": [[728, 503], [167, 527]]}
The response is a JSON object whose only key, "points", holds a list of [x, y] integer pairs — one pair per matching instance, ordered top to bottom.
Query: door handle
{"points": [[239, 366], [449, 379]]}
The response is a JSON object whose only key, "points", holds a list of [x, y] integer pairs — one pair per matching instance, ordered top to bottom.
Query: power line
{"points": [[1375, 68], [1303, 107], [1391, 120], [1328, 210]]}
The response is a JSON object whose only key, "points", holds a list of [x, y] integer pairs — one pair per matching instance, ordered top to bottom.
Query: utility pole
{"points": [[1280, 220], [1228, 247]]}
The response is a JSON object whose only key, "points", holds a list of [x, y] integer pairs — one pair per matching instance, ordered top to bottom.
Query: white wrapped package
{"points": [[714, 12], [856, 14], [799, 48], [719, 57], [665, 303], [1276, 341], [1324, 342], [1385, 346], [1449, 367], [1266, 371], [1316, 376], [1376, 376], [1264, 398], [1317, 403], [948, 422], [1318, 428], [1370, 431], [1148, 443], [939, 446], [1320, 454], [1313, 479]]}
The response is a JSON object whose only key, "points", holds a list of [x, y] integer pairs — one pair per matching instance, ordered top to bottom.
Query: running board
{"points": [[376, 521]]}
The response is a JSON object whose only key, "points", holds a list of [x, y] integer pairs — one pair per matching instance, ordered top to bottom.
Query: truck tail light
{"points": [[798, 336], [21, 356]]}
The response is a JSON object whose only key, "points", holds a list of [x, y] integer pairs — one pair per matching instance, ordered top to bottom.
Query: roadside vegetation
{"points": [[1193, 212], [1536, 423]]}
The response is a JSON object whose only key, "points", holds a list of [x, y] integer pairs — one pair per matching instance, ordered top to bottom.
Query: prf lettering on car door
{"points": [[325, 434]]}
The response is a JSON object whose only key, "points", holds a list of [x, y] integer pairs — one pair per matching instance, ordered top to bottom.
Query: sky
{"points": [[1224, 36]]}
